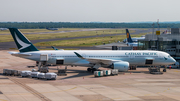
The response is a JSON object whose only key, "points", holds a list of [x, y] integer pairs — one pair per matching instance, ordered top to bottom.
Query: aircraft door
{"points": [[59, 61], [149, 61]]}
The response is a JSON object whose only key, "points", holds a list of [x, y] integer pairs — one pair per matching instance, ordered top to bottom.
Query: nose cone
{"points": [[173, 60]]}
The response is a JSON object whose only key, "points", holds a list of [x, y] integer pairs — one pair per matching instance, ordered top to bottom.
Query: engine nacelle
{"points": [[121, 66]]}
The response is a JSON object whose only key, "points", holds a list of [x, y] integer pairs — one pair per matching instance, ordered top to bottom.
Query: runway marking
{"points": [[151, 80], [29, 89], [70, 89], [48, 90], [44, 92], [116, 98]]}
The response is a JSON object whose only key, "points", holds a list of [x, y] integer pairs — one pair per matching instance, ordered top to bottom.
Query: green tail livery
{"points": [[23, 44]]}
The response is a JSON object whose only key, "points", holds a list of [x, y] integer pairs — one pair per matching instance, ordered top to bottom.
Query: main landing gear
{"points": [[94, 68], [91, 70]]}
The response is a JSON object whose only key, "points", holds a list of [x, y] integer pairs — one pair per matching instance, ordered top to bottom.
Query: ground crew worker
{"points": [[169, 67]]}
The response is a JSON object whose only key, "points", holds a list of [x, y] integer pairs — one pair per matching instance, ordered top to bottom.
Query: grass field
{"points": [[39, 30], [8, 38], [86, 41]]}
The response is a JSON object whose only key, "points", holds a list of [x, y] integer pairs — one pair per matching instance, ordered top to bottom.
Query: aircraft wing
{"points": [[19, 54], [98, 60]]}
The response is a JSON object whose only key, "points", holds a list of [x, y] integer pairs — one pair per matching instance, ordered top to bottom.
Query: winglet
{"points": [[79, 55]]}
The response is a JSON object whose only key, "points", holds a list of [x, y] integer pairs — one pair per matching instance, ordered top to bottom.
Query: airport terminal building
{"points": [[169, 43]]}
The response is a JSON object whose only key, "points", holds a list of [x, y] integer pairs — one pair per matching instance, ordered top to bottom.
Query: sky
{"points": [[89, 10]]}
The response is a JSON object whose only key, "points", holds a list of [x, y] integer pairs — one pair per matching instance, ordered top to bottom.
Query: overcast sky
{"points": [[89, 10]]}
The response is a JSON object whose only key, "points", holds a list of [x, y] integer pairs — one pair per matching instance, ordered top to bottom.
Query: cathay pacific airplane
{"points": [[115, 59]]}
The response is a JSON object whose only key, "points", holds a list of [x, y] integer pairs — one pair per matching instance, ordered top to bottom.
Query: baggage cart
{"points": [[4, 71], [9, 72], [17, 72], [106, 72], [114, 72], [25, 73], [98, 73], [34, 74], [41, 76], [50, 76]]}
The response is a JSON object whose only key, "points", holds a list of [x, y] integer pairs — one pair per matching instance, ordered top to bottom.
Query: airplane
{"points": [[52, 28], [2, 29], [133, 40], [93, 59]]}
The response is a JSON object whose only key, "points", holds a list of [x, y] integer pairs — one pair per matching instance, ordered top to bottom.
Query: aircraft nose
{"points": [[173, 60]]}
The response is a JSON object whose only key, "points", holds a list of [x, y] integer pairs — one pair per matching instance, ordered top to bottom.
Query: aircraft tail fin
{"points": [[128, 36], [23, 44], [54, 48]]}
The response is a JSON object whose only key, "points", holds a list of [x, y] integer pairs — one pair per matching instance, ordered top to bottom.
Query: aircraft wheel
{"points": [[88, 69]]}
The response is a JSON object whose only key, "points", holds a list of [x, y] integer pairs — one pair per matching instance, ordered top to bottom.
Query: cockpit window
{"points": [[169, 56]]}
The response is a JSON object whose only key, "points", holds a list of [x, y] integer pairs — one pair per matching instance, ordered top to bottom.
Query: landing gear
{"points": [[89, 69], [94, 69], [164, 70]]}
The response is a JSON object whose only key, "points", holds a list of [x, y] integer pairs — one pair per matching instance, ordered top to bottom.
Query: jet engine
{"points": [[121, 66]]}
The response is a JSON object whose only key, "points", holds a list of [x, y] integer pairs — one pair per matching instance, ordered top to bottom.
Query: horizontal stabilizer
{"points": [[19, 54]]}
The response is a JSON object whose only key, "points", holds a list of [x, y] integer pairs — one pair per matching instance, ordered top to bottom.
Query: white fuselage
{"points": [[133, 57]]}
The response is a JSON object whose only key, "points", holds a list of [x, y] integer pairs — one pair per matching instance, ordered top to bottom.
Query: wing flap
{"points": [[98, 60]]}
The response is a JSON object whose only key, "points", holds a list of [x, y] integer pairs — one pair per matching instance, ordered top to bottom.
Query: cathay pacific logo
{"points": [[23, 45]]}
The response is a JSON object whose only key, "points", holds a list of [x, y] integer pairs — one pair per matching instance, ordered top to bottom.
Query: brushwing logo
{"points": [[23, 45]]}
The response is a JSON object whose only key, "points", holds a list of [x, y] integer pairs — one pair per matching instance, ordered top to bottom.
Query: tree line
{"points": [[41, 25]]}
